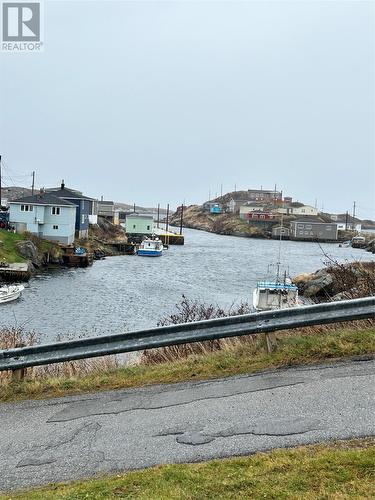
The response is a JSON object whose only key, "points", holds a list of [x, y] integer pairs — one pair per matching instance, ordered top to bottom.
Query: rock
{"points": [[29, 251], [313, 284], [316, 286]]}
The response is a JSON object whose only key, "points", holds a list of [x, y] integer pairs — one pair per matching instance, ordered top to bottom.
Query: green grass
{"points": [[8, 249], [245, 357], [340, 470]]}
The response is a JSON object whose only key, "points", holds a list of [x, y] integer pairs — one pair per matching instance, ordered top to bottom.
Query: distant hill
{"points": [[13, 192], [146, 210]]}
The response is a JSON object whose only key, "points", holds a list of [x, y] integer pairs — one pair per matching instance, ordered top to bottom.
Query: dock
{"points": [[169, 238], [15, 272]]}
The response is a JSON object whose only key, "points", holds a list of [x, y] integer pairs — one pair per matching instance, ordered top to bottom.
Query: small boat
{"points": [[150, 248], [9, 293], [276, 293], [270, 295]]}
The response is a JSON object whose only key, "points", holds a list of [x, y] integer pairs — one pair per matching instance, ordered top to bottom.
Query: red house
{"points": [[260, 216]]}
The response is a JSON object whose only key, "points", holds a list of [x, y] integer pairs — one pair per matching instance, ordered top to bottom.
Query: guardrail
{"points": [[262, 322]]}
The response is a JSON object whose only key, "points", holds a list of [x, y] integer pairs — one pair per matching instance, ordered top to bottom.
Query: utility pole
{"points": [[33, 184], [235, 187], [221, 190], [209, 195], [134, 208], [353, 211], [158, 215], [182, 218], [346, 220], [167, 225]]}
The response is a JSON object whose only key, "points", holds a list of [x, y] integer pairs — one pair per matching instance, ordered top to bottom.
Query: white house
{"points": [[301, 210], [44, 215]]}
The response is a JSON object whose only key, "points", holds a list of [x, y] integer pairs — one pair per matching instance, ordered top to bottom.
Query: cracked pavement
{"points": [[80, 436]]}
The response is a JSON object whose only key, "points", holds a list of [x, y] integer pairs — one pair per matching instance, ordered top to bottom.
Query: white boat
{"points": [[150, 248], [9, 293], [276, 293], [270, 295]]}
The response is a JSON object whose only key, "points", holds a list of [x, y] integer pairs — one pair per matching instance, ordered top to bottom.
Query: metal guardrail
{"points": [[263, 322]]}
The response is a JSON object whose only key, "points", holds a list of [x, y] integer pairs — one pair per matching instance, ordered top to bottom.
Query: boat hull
{"points": [[149, 253], [9, 297]]}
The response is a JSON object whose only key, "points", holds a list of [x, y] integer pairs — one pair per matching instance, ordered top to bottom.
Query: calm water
{"points": [[130, 292]]}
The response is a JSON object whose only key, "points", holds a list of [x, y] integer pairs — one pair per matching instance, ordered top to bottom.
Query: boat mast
{"points": [[278, 263]]}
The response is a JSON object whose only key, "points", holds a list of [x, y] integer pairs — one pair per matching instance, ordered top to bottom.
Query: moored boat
{"points": [[150, 248], [9, 293], [270, 295]]}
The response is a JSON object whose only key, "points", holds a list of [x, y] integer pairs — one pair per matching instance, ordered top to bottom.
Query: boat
{"points": [[150, 248], [9, 293], [277, 293]]}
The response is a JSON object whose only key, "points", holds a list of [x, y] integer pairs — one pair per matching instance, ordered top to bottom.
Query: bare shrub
{"points": [[189, 311], [12, 337]]}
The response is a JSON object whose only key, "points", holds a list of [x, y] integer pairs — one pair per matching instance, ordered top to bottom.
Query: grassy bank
{"points": [[8, 249], [232, 359], [335, 470]]}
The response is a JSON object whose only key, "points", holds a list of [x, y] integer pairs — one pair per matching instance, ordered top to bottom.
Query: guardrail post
{"points": [[271, 342], [19, 373]]}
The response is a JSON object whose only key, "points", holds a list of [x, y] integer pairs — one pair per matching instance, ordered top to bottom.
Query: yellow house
{"points": [[300, 210]]}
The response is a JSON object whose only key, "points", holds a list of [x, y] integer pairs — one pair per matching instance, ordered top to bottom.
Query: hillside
{"points": [[196, 218]]}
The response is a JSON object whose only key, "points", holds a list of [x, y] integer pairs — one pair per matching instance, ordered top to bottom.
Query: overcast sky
{"points": [[159, 101]]}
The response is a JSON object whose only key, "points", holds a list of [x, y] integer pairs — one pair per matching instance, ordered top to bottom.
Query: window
{"points": [[26, 208], [55, 210], [83, 218], [133, 226], [55, 227], [148, 228]]}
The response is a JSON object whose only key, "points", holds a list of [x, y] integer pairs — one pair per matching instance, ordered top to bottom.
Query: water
{"points": [[130, 292]]}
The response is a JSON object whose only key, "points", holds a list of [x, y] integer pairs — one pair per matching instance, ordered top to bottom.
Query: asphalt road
{"points": [[80, 436]]}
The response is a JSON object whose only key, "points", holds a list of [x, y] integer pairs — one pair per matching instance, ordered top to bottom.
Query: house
{"points": [[267, 195], [85, 207], [213, 207], [248, 208], [298, 209], [108, 210], [44, 215], [259, 216], [346, 222], [139, 224], [308, 230]]}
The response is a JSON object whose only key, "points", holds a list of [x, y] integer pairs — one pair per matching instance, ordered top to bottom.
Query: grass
{"points": [[8, 249], [236, 358], [339, 470]]}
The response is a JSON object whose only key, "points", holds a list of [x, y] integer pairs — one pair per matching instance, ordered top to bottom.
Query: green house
{"points": [[138, 224]]}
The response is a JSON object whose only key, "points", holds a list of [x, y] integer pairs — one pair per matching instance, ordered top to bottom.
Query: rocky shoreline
{"points": [[338, 282]]}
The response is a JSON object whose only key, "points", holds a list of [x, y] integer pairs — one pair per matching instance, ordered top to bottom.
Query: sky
{"points": [[165, 101]]}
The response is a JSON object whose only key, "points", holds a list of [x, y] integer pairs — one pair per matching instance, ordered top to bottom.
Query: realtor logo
{"points": [[21, 26]]}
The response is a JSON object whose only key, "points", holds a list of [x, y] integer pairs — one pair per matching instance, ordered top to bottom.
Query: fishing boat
{"points": [[150, 248], [278, 292], [9, 293]]}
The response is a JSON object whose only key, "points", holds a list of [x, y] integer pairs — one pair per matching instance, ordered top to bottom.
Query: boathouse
{"points": [[139, 225], [313, 231]]}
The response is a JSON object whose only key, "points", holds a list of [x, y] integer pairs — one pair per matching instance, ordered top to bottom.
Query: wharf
{"points": [[169, 238], [15, 272]]}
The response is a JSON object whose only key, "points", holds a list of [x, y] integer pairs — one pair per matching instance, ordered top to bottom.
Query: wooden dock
{"points": [[15, 272]]}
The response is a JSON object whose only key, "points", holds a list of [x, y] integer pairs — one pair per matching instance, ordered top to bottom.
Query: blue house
{"points": [[85, 207], [44, 215]]}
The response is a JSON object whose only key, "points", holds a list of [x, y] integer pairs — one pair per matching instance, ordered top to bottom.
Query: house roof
{"points": [[68, 194], [44, 199], [104, 202], [143, 216]]}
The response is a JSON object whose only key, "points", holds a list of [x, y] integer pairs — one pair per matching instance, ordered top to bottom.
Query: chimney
{"points": [[62, 184]]}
